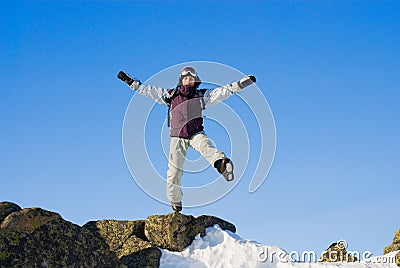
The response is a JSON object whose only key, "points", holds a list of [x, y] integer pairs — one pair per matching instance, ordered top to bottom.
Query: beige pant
{"points": [[177, 153]]}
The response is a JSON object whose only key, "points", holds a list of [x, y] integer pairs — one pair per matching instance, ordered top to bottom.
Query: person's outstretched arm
{"points": [[158, 94], [219, 94]]}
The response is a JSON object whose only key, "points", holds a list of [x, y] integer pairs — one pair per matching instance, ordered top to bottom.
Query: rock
{"points": [[6, 208], [28, 220], [176, 231], [115, 233], [39, 238], [128, 241], [395, 244], [140, 253], [337, 253]]}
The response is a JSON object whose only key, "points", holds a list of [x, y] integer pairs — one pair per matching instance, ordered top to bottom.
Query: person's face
{"points": [[188, 81]]}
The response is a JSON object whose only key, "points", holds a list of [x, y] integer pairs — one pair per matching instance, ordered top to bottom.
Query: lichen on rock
{"points": [[6, 208], [176, 231], [35, 237], [39, 238], [128, 241], [395, 244], [337, 252]]}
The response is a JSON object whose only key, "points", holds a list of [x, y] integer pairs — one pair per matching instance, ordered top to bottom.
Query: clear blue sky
{"points": [[329, 70]]}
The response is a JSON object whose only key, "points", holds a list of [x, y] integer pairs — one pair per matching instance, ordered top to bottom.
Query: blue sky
{"points": [[329, 70]]}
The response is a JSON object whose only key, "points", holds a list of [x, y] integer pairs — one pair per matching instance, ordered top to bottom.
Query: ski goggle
{"points": [[188, 70]]}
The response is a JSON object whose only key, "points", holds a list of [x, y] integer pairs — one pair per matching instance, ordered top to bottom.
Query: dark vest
{"points": [[186, 117]]}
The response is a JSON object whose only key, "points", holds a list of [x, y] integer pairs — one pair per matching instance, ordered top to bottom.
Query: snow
{"points": [[221, 248]]}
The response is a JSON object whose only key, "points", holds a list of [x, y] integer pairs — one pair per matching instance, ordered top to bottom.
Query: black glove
{"points": [[124, 77], [252, 78], [247, 81], [132, 83]]}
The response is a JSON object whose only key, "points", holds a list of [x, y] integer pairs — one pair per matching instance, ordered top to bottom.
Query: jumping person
{"points": [[185, 106]]}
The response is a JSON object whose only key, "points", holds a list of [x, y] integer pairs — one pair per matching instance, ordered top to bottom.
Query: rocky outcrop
{"points": [[6, 208], [176, 231], [35, 237], [38, 238], [128, 241], [136, 242], [395, 246], [337, 252], [398, 259]]}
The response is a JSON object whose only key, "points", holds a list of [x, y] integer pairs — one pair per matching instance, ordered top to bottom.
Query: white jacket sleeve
{"points": [[158, 94], [214, 96]]}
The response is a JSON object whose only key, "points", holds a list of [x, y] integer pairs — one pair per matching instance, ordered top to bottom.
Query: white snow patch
{"points": [[224, 249]]}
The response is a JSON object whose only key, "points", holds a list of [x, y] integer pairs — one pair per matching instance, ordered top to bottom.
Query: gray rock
{"points": [[6, 208], [28, 220], [176, 231], [39, 238], [127, 240], [395, 244], [337, 252]]}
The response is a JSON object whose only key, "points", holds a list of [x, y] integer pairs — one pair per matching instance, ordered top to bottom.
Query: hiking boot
{"points": [[226, 169], [176, 206]]}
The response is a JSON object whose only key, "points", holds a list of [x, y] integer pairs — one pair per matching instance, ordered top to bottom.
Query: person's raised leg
{"points": [[202, 143]]}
